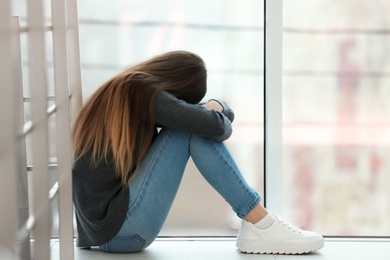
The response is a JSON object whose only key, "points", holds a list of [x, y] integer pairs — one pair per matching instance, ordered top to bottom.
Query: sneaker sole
{"points": [[287, 249]]}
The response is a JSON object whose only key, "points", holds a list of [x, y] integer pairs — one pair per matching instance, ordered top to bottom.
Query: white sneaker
{"points": [[280, 238]]}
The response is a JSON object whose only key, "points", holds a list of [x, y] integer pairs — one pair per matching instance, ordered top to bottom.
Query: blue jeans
{"points": [[154, 187]]}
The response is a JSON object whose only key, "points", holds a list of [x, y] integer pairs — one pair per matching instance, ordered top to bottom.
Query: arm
{"points": [[209, 120]]}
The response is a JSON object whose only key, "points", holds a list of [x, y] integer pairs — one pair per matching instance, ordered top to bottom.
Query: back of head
{"points": [[180, 73]]}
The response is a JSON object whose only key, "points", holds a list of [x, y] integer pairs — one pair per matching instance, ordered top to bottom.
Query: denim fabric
{"points": [[154, 187]]}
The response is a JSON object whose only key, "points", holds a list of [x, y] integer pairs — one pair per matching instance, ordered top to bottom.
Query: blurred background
{"points": [[336, 100]]}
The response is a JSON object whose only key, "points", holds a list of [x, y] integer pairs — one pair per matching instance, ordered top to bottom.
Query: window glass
{"points": [[228, 35], [336, 75]]}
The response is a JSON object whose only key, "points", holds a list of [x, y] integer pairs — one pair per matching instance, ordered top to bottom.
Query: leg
{"points": [[220, 170], [154, 187], [152, 191], [278, 236]]}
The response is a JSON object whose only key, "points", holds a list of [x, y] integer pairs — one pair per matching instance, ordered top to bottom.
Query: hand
{"points": [[213, 105]]}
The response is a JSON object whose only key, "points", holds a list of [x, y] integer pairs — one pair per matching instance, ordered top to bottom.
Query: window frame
{"points": [[273, 114]]}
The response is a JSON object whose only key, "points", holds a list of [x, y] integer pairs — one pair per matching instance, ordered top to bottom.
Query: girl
{"points": [[126, 172]]}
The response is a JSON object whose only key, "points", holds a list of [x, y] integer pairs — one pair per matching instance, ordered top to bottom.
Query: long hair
{"points": [[121, 112]]}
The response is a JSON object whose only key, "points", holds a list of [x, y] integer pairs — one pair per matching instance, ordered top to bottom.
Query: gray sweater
{"points": [[100, 200]]}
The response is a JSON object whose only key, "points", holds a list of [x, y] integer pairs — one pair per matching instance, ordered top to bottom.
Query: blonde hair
{"points": [[116, 124]]}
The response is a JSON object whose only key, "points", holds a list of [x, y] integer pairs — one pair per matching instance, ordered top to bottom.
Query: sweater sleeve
{"points": [[227, 111], [193, 118]]}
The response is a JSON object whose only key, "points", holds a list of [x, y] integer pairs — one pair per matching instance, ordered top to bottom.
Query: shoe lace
{"points": [[288, 225]]}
